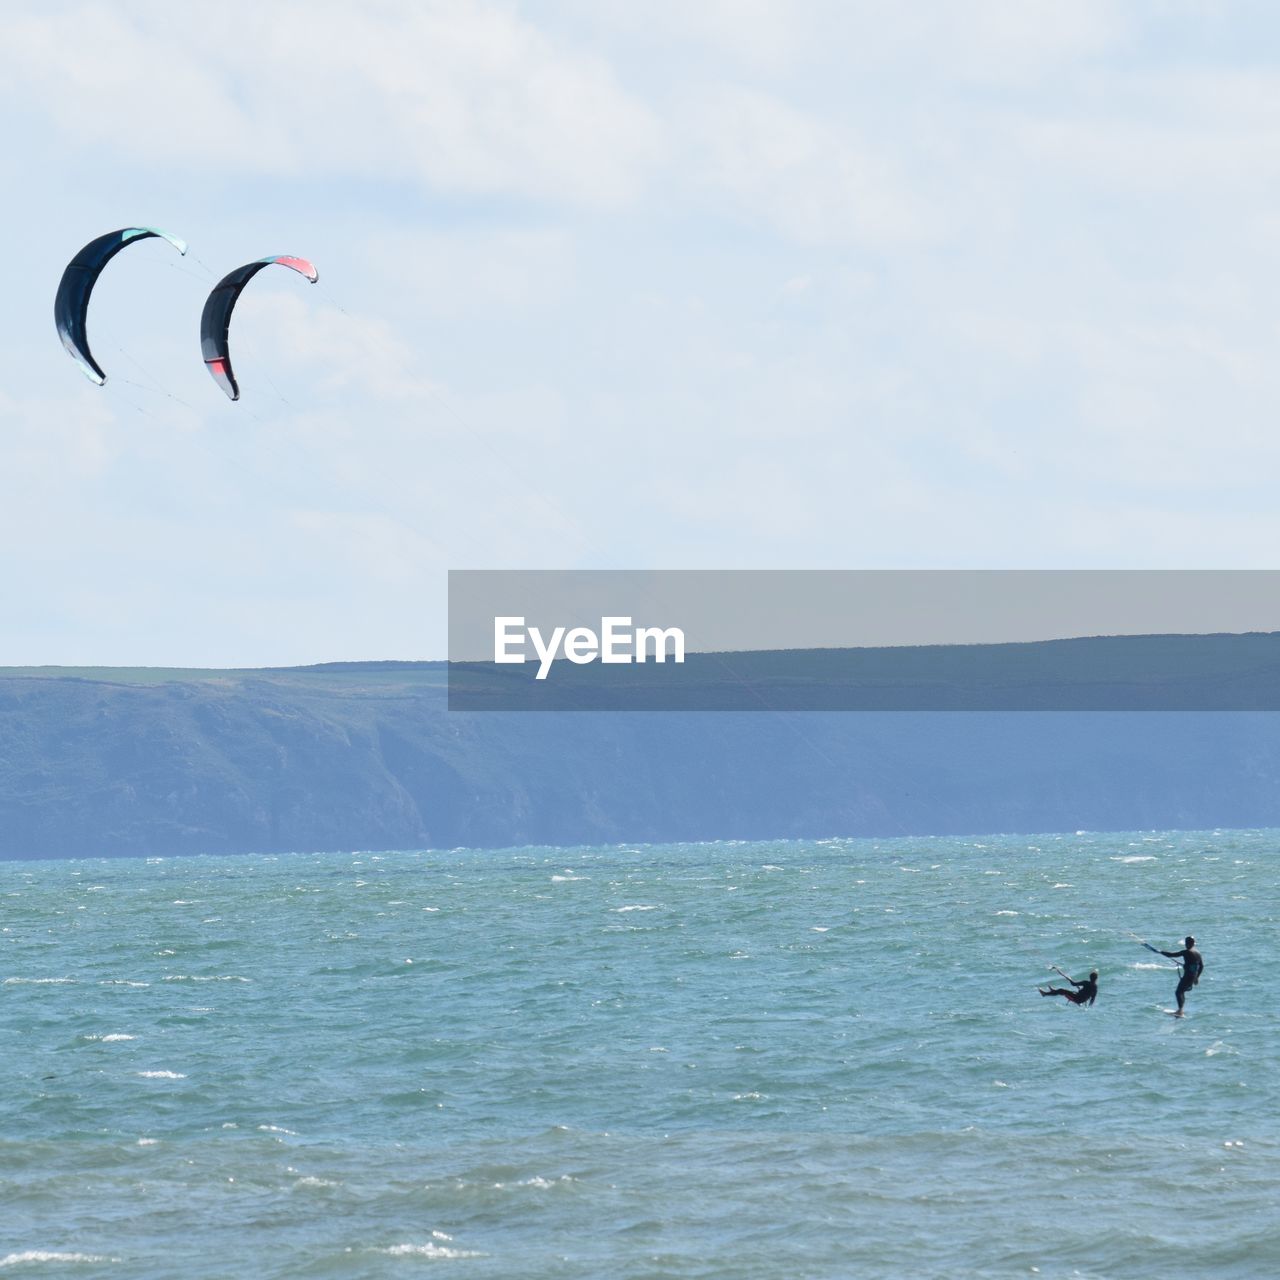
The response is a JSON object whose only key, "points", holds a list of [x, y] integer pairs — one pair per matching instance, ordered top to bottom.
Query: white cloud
{"points": [[760, 35], [991, 41], [994, 41], [458, 95], [1200, 139], [814, 182], [473, 271], [323, 345], [51, 440]]}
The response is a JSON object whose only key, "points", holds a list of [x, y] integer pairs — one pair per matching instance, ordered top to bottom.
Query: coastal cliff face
{"points": [[368, 757]]}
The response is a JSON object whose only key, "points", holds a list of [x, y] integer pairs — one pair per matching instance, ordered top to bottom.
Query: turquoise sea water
{"points": [[798, 1059]]}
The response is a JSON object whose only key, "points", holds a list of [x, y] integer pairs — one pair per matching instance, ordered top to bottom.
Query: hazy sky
{"points": [[739, 284]]}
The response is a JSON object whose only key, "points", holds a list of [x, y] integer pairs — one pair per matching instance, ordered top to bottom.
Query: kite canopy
{"points": [[71, 306], [215, 321]]}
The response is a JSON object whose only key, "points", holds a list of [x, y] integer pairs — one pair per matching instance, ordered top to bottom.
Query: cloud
{"points": [[758, 35], [990, 41], [994, 42], [459, 96], [1189, 135], [814, 182], [473, 272], [323, 347], [52, 440]]}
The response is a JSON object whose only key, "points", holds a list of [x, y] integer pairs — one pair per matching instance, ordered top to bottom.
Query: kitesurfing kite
{"points": [[71, 306], [215, 322]]}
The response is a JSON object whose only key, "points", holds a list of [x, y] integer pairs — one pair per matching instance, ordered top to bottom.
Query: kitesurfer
{"points": [[1192, 967], [1086, 990]]}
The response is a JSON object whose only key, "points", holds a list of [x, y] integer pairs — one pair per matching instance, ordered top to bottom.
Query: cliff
{"points": [[367, 756]]}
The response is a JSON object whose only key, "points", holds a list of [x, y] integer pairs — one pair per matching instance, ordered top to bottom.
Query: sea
{"points": [[747, 1061]]}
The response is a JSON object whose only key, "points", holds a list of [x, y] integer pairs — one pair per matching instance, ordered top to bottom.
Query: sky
{"points": [[756, 284]]}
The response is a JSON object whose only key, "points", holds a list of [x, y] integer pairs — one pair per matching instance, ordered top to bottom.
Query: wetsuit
{"points": [[1192, 967], [1085, 992]]}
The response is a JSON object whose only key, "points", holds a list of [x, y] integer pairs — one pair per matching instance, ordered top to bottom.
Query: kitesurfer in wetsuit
{"points": [[1192, 967], [1084, 993]]}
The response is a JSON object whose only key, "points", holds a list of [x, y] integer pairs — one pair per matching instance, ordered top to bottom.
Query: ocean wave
{"points": [[214, 977], [37, 982], [161, 1075], [538, 1182], [430, 1249], [51, 1255]]}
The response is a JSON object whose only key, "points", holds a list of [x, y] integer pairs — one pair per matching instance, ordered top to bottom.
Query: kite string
{"points": [[183, 271], [210, 274], [158, 388], [130, 400], [284, 400]]}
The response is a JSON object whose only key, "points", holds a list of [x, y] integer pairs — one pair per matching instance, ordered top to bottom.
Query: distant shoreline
{"points": [[163, 762]]}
